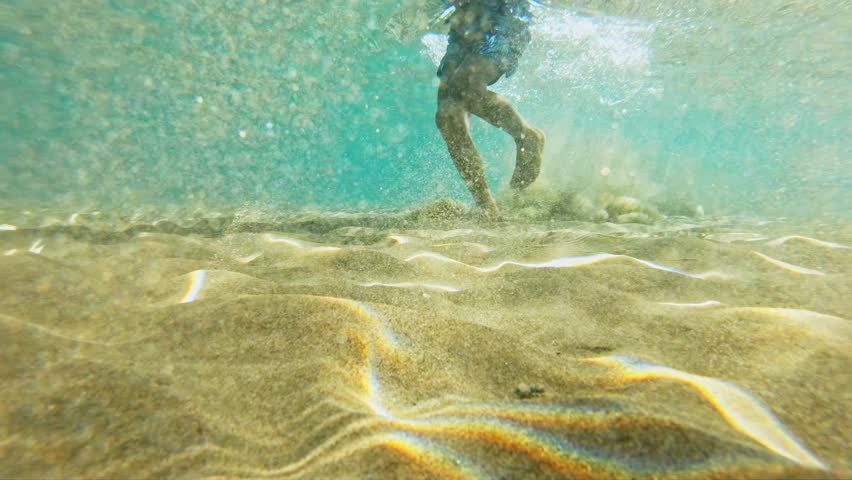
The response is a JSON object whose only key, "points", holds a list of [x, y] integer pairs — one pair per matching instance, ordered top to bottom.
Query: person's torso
{"points": [[475, 20]]}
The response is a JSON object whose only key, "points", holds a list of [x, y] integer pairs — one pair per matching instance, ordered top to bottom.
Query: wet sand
{"points": [[373, 348]]}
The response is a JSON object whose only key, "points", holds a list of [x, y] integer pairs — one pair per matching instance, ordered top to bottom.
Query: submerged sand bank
{"points": [[683, 349]]}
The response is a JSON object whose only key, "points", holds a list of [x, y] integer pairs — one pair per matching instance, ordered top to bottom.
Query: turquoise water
{"points": [[739, 107]]}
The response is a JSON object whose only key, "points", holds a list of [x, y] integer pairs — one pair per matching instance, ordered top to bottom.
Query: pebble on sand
{"points": [[525, 391]]}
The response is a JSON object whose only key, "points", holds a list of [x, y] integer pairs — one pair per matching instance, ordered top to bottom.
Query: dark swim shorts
{"points": [[498, 30]]}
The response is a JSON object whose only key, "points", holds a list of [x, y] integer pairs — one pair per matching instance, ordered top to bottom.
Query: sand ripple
{"points": [[809, 240], [562, 262], [788, 266], [361, 352], [741, 410]]}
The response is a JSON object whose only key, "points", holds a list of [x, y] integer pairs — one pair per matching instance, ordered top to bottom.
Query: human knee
{"points": [[473, 91], [446, 115], [441, 118]]}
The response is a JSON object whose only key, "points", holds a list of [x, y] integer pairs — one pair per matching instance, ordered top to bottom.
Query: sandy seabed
{"points": [[714, 348]]}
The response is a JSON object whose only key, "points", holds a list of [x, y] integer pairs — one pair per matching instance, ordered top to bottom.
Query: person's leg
{"points": [[473, 79], [454, 123], [529, 140]]}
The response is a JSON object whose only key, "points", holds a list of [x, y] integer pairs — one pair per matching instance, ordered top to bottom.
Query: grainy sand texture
{"points": [[353, 348]]}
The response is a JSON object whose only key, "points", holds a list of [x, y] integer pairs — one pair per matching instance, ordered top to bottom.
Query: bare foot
{"points": [[528, 160]]}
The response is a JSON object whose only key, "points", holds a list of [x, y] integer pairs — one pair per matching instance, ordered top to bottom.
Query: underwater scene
{"points": [[425, 239]]}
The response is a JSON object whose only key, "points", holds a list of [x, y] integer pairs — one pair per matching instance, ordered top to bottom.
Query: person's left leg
{"points": [[471, 81], [529, 141]]}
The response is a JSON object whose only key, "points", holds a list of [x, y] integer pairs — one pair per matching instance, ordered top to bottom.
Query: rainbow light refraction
{"points": [[742, 410], [439, 434]]}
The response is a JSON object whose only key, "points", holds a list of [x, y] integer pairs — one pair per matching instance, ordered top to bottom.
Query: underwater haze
{"points": [[741, 107], [233, 245]]}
